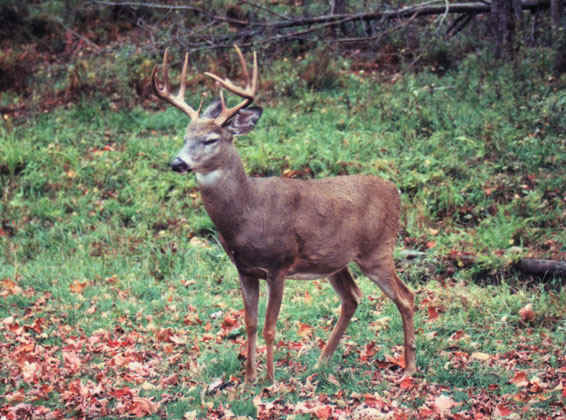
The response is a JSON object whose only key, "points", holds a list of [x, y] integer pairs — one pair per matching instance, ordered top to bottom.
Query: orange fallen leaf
{"points": [[10, 286], [77, 286], [432, 313], [527, 313], [229, 322], [305, 330], [458, 335], [399, 361], [520, 379], [406, 383], [142, 407], [502, 411], [323, 412]]}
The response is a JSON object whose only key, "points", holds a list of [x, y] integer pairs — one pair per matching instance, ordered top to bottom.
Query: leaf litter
{"points": [[52, 370]]}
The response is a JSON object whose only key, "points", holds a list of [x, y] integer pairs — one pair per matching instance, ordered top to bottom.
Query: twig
{"points": [[171, 7], [260, 7], [81, 37]]}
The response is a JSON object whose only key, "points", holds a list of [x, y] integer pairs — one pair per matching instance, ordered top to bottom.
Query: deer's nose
{"points": [[179, 165]]}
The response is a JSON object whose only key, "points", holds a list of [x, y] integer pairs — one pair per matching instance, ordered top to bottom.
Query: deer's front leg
{"points": [[275, 284], [249, 287]]}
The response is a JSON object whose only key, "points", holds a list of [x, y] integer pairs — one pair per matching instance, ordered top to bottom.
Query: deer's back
{"points": [[316, 226]]}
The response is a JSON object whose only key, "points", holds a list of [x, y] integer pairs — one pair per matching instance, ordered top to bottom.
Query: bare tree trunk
{"points": [[338, 7], [555, 7], [555, 13], [518, 14], [504, 26], [558, 36]]}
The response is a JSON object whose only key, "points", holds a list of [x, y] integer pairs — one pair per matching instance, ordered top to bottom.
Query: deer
{"points": [[277, 228]]}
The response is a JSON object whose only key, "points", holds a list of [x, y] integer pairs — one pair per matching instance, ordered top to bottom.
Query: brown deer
{"points": [[279, 228]]}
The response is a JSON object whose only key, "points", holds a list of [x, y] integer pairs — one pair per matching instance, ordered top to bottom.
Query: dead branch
{"points": [[275, 28], [533, 266], [542, 267]]}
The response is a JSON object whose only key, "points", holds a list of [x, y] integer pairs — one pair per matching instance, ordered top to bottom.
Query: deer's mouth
{"points": [[179, 165]]}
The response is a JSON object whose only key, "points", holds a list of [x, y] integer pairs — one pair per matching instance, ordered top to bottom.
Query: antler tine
{"points": [[242, 63], [164, 91], [248, 93]]}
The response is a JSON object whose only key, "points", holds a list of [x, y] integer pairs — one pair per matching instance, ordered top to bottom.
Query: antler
{"points": [[164, 92], [248, 92]]}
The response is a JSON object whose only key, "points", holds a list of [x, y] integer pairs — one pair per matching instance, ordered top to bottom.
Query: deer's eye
{"points": [[210, 140]]}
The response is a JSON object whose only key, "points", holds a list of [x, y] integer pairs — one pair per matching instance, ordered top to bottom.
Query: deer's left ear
{"points": [[244, 121]]}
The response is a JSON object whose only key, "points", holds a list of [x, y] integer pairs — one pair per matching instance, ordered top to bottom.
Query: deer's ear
{"points": [[212, 110], [244, 121]]}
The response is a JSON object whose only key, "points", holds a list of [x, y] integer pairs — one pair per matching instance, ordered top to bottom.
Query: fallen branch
{"points": [[274, 27], [532, 266], [542, 267]]}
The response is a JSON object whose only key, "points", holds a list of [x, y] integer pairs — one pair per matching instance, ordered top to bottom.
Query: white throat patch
{"points": [[210, 178]]}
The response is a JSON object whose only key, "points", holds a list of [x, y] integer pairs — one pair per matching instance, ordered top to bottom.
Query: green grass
{"points": [[102, 245]]}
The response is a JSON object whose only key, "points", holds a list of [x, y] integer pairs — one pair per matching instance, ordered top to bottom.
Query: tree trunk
{"points": [[338, 7], [555, 12], [518, 14], [503, 20]]}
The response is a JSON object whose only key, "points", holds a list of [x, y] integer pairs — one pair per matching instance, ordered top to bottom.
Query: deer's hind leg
{"points": [[380, 268], [350, 295]]}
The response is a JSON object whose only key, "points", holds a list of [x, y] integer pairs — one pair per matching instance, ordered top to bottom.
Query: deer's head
{"points": [[208, 138]]}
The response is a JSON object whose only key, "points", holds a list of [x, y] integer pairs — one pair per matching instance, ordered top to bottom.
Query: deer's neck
{"points": [[226, 193]]}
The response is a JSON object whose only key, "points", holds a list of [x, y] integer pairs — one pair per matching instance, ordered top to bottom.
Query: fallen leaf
{"points": [[10, 286], [77, 286], [432, 313], [526, 313], [229, 322], [380, 324], [305, 330], [458, 335], [369, 351], [480, 356], [72, 361], [399, 361], [29, 370], [520, 379], [406, 383], [15, 397], [373, 401], [443, 404], [142, 407], [502, 411], [323, 412]]}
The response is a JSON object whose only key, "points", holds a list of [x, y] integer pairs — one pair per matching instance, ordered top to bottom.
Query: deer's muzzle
{"points": [[179, 165]]}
